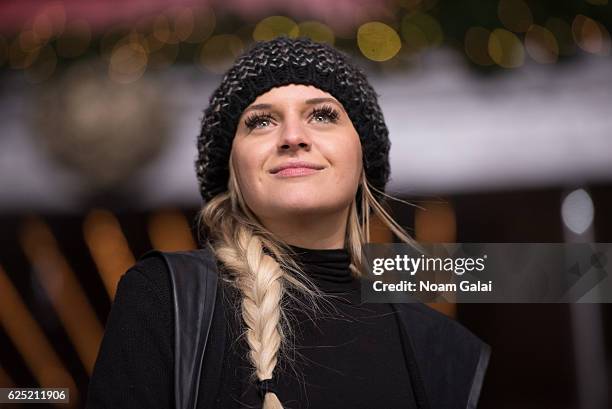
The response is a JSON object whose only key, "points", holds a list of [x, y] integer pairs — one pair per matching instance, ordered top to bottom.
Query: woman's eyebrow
{"points": [[311, 101], [258, 106]]}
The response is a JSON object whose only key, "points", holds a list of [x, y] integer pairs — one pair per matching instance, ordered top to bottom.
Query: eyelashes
{"points": [[326, 112], [254, 119]]}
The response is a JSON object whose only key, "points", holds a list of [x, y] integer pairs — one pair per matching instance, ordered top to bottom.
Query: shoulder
{"points": [[186, 258], [155, 263], [189, 265], [151, 272], [182, 275], [433, 325], [450, 357]]}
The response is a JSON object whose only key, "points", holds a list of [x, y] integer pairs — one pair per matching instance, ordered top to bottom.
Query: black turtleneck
{"points": [[328, 268], [348, 356]]}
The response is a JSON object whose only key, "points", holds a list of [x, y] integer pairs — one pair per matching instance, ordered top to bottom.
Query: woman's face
{"points": [[289, 124]]}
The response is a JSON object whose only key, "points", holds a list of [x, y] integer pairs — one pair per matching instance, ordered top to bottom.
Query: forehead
{"points": [[291, 93]]}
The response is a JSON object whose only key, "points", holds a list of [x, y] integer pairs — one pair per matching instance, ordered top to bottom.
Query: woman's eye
{"points": [[325, 114], [258, 121], [261, 122]]}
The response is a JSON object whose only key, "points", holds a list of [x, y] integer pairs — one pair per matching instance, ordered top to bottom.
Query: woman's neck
{"points": [[317, 232]]}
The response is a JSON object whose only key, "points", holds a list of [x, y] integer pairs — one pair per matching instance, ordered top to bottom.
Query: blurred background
{"points": [[500, 117]]}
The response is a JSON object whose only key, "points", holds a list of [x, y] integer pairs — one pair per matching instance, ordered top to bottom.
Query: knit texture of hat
{"points": [[279, 62]]}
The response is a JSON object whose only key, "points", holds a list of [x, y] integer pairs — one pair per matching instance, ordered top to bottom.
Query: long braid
{"points": [[260, 281]]}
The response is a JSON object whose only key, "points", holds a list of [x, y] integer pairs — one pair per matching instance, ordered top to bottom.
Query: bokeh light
{"points": [[515, 15], [50, 20], [183, 22], [175, 25], [43, 26], [274, 26], [163, 31], [317, 31], [420, 31], [591, 35], [109, 40], [415, 40], [29, 41], [377, 41], [152, 43], [541, 44], [476, 45], [506, 49], [219, 52], [160, 54], [128, 60], [43, 67], [99, 128], [577, 211], [169, 230], [108, 246], [62, 287], [31, 341]]}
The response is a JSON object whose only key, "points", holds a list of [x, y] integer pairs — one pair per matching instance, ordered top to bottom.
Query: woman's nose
{"points": [[294, 136]]}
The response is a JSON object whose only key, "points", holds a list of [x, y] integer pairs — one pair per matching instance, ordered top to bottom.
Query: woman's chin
{"points": [[297, 208], [305, 208]]}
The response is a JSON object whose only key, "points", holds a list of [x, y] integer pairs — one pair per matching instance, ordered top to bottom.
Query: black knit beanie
{"points": [[279, 62]]}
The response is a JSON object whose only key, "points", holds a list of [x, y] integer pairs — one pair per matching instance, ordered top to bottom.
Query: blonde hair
{"points": [[263, 268]]}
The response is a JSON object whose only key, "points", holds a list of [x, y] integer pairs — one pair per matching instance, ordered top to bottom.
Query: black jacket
{"points": [[447, 363]]}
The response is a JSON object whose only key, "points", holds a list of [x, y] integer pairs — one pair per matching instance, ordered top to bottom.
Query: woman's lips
{"points": [[292, 172]]}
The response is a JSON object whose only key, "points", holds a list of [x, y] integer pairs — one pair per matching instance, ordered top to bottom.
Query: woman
{"points": [[293, 159]]}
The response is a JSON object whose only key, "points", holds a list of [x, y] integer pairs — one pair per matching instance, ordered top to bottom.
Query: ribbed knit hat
{"points": [[279, 62]]}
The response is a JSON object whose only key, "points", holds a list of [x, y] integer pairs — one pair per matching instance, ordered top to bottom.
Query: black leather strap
{"points": [[193, 275]]}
